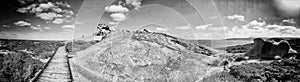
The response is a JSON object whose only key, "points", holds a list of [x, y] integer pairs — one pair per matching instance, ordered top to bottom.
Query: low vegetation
{"points": [[79, 45], [239, 48], [20, 59]]}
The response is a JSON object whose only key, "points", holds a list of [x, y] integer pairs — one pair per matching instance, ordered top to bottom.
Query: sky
{"points": [[188, 19]]}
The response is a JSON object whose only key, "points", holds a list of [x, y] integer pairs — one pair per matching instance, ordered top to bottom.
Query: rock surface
{"points": [[270, 48], [144, 56]]}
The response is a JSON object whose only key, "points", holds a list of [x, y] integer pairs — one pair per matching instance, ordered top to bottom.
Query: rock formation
{"points": [[270, 48], [145, 56]]}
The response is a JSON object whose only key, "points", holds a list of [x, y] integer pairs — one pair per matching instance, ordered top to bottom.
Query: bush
{"points": [[18, 67], [285, 70]]}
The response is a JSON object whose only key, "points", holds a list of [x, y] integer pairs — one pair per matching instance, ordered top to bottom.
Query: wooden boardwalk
{"points": [[58, 69]]}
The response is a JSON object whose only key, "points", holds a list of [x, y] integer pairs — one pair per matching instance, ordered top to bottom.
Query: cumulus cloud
{"points": [[135, 3], [46, 5], [116, 9], [49, 11], [119, 12], [48, 16], [118, 17], [236, 17], [58, 21], [291, 21], [22, 23], [113, 23], [255, 24], [5, 26], [68, 26], [183, 27], [203, 27], [36, 28], [47, 28], [162, 29], [261, 29]]}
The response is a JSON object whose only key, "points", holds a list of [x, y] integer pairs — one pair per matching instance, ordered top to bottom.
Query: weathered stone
{"points": [[270, 48]]}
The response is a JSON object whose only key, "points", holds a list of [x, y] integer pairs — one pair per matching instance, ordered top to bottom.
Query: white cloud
{"points": [[135, 3], [46, 5], [116, 9], [22, 10], [36, 10], [57, 10], [49, 11], [48, 16], [118, 17], [213, 17], [236, 17], [58, 21], [292, 21], [22, 23], [113, 23], [256, 23], [5, 26], [68, 26], [183, 27], [203, 27], [36, 28], [47, 28], [162, 29], [261, 29]]}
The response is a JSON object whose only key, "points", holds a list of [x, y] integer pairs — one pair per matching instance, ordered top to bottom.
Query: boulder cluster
{"points": [[103, 29], [273, 48]]}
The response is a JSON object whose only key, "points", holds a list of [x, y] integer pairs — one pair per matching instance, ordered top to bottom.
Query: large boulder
{"points": [[270, 48]]}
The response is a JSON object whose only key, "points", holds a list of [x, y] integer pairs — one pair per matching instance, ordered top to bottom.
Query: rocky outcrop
{"points": [[270, 48], [145, 56]]}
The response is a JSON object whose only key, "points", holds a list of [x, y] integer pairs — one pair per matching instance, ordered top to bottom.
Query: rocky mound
{"points": [[270, 48], [145, 56]]}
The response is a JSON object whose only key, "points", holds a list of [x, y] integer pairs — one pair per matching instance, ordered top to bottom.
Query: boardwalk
{"points": [[58, 68]]}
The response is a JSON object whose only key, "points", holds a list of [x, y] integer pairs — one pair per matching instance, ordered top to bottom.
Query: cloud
{"points": [[135, 3], [46, 5], [116, 9], [22, 10], [57, 10], [49, 11], [119, 12], [48, 16], [118, 17], [213, 17], [236, 17], [58, 21], [291, 21], [22, 23], [113, 23], [255, 24], [5, 26], [68, 26], [183, 27], [203, 27], [36, 28], [47, 28], [162, 29], [261, 29], [67, 31]]}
